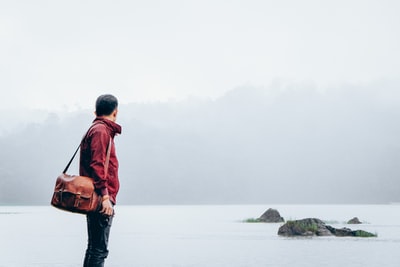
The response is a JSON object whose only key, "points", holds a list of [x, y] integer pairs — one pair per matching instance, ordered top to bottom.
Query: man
{"points": [[92, 162]]}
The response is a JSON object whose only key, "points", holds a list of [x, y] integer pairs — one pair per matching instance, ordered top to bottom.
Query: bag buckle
{"points": [[77, 199]]}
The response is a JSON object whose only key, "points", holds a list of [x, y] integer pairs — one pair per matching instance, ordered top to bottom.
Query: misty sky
{"points": [[62, 54]]}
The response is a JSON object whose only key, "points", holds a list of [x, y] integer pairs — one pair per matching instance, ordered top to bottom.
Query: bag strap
{"points": [[107, 157], [70, 161]]}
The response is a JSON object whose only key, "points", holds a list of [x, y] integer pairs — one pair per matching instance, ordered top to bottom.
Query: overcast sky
{"points": [[62, 54]]}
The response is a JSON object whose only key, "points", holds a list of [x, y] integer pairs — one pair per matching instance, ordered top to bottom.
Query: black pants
{"points": [[98, 226]]}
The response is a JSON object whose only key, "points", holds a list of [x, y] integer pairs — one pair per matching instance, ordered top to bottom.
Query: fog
{"points": [[56, 53], [285, 143]]}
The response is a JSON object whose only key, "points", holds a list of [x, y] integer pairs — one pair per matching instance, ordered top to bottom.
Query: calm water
{"points": [[194, 236]]}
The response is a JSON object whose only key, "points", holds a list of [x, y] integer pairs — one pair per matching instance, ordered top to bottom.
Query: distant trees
{"points": [[253, 145]]}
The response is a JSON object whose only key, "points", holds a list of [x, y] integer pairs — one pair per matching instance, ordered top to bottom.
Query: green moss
{"points": [[252, 220], [303, 227], [361, 233]]}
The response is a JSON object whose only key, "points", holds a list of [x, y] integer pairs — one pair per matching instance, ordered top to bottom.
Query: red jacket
{"points": [[93, 156]]}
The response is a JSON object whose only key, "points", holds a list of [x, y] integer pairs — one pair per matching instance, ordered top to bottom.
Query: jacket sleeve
{"points": [[98, 147]]}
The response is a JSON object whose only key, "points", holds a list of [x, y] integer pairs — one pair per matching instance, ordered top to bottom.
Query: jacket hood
{"points": [[114, 127]]}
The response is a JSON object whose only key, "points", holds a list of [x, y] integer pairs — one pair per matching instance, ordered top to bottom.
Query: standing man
{"points": [[92, 162]]}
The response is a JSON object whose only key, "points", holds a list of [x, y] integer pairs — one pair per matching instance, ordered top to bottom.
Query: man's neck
{"points": [[110, 118]]}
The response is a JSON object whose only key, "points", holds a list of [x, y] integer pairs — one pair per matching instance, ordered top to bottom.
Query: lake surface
{"points": [[200, 236]]}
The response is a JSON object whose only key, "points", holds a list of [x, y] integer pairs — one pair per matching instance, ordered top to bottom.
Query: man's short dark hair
{"points": [[106, 104]]}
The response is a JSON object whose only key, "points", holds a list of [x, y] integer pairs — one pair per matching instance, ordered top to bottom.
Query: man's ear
{"points": [[115, 113]]}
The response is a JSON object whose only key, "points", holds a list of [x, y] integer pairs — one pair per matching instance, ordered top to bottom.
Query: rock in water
{"points": [[271, 216], [355, 220], [304, 227], [316, 227]]}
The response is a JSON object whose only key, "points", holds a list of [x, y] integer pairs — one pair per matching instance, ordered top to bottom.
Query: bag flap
{"points": [[80, 185]]}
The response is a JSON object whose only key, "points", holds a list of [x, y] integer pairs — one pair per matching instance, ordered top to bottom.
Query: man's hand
{"points": [[106, 206]]}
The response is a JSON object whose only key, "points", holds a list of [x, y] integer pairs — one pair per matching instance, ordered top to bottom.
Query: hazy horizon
{"points": [[220, 101], [252, 145]]}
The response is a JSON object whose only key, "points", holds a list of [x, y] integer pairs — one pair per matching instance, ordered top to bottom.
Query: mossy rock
{"points": [[316, 227]]}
